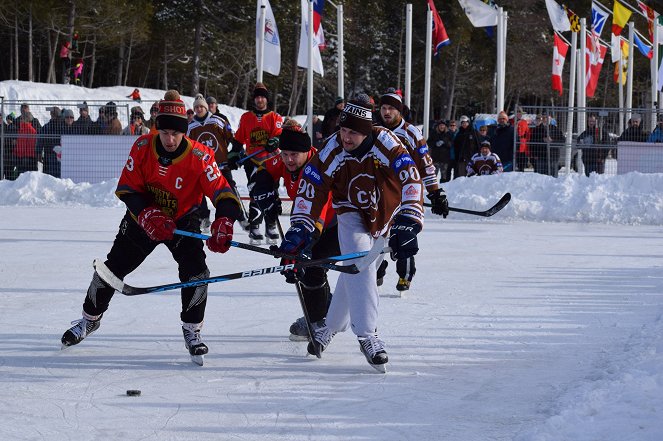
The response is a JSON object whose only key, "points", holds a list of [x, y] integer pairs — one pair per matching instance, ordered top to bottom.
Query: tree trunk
{"points": [[131, 43], [93, 61], [120, 62], [165, 64], [16, 69], [31, 76], [51, 77], [195, 77], [453, 83]]}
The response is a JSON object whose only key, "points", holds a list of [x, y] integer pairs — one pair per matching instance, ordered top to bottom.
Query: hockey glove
{"points": [[272, 144], [233, 159], [440, 205], [156, 224], [221, 235], [403, 237], [297, 241]]}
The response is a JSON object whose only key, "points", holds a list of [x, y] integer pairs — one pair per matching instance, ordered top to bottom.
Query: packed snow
{"points": [[541, 323]]}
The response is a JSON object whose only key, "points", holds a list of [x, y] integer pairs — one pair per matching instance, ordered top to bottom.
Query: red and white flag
{"points": [[559, 55], [594, 56]]}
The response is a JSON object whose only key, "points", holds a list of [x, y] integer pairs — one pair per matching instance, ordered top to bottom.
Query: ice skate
{"points": [[272, 234], [255, 236], [382, 270], [403, 284], [81, 329], [298, 331], [322, 336], [192, 341], [374, 351]]}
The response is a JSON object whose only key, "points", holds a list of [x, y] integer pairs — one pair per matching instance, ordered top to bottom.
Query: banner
{"points": [[479, 13], [558, 18], [440, 37], [624, 52], [559, 55], [271, 57], [302, 57]]}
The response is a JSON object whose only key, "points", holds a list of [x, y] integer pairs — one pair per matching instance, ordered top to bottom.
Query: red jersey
{"points": [[253, 132], [177, 187]]}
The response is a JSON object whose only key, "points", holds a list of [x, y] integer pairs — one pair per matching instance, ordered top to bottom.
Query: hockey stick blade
{"points": [[487, 213], [257, 249]]}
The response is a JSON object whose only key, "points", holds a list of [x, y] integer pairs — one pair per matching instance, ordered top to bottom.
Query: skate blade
{"points": [[255, 241], [272, 241], [294, 337], [198, 359], [381, 368]]}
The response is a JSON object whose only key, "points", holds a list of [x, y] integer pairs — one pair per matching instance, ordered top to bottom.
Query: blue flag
{"points": [[599, 17]]}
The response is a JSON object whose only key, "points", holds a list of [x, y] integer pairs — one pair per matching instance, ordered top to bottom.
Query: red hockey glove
{"points": [[156, 224], [221, 235]]}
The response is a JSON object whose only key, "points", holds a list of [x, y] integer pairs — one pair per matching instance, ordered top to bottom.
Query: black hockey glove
{"points": [[272, 144], [233, 159], [440, 205], [403, 237], [297, 241]]}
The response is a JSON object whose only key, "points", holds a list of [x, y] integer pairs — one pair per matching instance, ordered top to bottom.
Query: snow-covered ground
{"points": [[542, 323]]}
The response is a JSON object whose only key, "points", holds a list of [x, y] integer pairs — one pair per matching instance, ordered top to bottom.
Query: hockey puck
{"points": [[133, 393]]}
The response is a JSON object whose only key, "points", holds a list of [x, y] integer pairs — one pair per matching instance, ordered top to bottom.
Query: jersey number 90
{"points": [[412, 172]]}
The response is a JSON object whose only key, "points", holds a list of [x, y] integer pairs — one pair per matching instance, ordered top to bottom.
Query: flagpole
{"points": [[261, 41], [341, 53], [408, 54], [429, 55], [500, 59], [309, 72], [654, 72], [582, 74], [629, 75], [621, 87], [569, 118]]}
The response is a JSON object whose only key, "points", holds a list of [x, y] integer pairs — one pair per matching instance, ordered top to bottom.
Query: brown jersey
{"points": [[215, 133], [415, 142], [379, 184]]}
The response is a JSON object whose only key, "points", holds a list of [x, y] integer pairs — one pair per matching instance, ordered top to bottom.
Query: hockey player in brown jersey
{"points": [[376, 189]]}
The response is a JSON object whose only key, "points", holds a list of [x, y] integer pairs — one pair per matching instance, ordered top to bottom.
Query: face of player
{"points": [[260, 102], [200, 110], [389, 114], [170, 139], [351, 139], [485, 151], [293, 161]]}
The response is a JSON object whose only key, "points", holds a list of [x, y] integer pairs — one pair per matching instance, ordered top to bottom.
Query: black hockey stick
{"points": [[487, 213], [257, 249]]}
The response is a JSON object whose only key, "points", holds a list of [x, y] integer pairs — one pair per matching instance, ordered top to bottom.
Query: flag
{"points": [[318, 5], [479, 13], [649, 13], [620, 15], [599, 17], [558, 18], [574, 20], [440, 37], [319, 38], [615, 48], [645, 50], [624, 52], [559, 55], [594, 55], [271, 57], [302, 57], [659, 83]]}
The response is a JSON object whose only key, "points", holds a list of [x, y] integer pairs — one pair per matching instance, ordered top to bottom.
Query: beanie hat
{"points": [[260, 90], [210, 100], [339, 100], [393, 100], [200, 101], [68, 113], [172, 113], [357, 115], [293, 139], [485, 143]]}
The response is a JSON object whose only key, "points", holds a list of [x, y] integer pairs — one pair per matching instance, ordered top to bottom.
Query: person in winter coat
{"points": [[135, 95], [330, 120], [84, 123], [136, 123], [24, 130], [634, 132], [657, 134], [48, 139], [546, 139], [502, 140], [590, 141], [441, 144], [466, 144], [485, 162]]}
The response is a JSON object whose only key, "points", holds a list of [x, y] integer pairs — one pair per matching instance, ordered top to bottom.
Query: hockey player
{"points": [[391, 109], [255, 129], [216, 133], [296, 151], [485, 162], [162, 183], [375, 189]]}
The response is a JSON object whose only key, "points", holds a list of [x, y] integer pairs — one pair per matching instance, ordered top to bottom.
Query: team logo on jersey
{"points": [[208, 139], [141, 142], [423, 150], [199, 153], [207, 157], [402, 161], [313, 174], [411, 192], [364, 194], [301, 206]]}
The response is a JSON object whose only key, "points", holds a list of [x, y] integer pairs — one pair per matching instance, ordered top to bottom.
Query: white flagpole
{"points": [[261, 41], [341, 53], [408, 54], [429, 55], [500, 62], [309, 72], [654, 72], [629, 74], [582, 76], [620, 86], [569, 117]]}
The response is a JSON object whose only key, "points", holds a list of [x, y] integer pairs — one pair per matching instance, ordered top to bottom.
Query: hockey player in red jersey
{"points": [[162, 183]]}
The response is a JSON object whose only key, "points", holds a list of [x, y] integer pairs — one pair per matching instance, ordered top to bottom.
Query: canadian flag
{"points": [[559, 55], [594, 56]]}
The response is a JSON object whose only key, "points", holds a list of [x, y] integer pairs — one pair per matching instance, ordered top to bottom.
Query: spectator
{"points": [[65, 60], [78, 71], [135, 95], [189, 115], [152, 121], [330, 121], [84, 123], [113, 124], [136, 124], [24, 129], [633, 132], [317, 133], [483, 134], [657, 134], [49, 138], [502, 140], [589, 141], [545, 142], [466, 145], [441, 146], [522, 156], [485, 162], [9, 167]]}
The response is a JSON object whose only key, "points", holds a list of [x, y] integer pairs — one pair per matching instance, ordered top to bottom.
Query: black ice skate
{"points": [[272, 234], [255, 236], [403, 284], [81, 329], [298, 331], [197, 349], [374, 351]]}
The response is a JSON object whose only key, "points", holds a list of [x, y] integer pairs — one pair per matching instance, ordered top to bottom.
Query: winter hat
{"points": [[260, 90], [392, 99], [210, 100], [339, 100], [200, 101], [137, 110], [67, 113], [172, 113], [357, 116], [293, 139], [485, 143]]}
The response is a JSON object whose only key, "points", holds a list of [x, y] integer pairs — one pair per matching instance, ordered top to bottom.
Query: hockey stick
{"points": [[246, 158], [487, 213], [341, 268], [114, 282]]}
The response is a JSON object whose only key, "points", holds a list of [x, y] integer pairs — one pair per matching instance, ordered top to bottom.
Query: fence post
{"points": [[2, 138]]}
